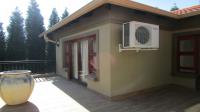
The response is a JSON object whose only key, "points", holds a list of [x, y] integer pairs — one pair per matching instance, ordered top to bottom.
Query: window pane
{"points": [[186, 45], [94, 46], [92, 56], [187, 61]]}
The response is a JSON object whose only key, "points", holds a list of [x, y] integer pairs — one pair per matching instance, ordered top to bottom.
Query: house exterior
{"points": [[88, 47]]}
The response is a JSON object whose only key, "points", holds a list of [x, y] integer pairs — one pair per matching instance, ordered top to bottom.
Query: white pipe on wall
{"points": [[48, 40]]}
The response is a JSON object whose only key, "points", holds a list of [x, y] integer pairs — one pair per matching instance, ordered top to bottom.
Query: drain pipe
{"points": [[48, 40]]}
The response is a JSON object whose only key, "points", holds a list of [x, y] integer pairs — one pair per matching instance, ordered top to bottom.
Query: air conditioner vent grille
{"points": [[126, 34], [142, 35]]}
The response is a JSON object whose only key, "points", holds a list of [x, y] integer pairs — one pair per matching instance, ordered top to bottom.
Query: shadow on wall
{"points": [[26, 107]]}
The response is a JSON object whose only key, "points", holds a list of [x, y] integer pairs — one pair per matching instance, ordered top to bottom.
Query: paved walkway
{"points": [[59, 95]]}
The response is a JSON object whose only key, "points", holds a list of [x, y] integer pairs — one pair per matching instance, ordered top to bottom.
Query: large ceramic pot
{"points": [[16, 86]]}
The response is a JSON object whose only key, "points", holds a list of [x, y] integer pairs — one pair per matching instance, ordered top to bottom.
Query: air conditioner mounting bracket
{"points": [[135, 49]]}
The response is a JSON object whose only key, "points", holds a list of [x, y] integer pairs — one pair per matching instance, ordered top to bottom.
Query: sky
{"points": [[46, 6]]}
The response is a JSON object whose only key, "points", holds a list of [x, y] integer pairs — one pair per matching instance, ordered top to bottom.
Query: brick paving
{"points": [[55, 94]]}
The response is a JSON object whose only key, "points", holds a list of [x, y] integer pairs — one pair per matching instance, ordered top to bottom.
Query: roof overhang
{"points": [[124, 3], [189, 14]]}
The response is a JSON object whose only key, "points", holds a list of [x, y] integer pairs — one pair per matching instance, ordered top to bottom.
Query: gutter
{"points": [[46, 38]]}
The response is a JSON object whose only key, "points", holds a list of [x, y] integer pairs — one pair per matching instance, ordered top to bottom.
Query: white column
{"points": [[75, 60]]}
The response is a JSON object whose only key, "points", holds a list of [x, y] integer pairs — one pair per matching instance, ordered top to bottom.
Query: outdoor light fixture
{"points": [[57, 43]]}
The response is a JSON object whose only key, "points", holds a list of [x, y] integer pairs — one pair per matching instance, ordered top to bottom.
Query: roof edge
{"points": [[124, 3], [143, 7], [83, 10], [190, 14]]}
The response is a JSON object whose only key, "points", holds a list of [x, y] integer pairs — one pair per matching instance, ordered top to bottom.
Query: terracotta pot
{"points": [[16, 86]]}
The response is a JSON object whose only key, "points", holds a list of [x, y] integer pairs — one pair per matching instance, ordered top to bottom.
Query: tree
{"points": [[175, 7], [65, 13], [53, 18], [34, 26], [16, 38], [2, 43], [51, 54]]}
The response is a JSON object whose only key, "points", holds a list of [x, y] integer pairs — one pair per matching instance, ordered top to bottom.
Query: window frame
{"points": [[193, 53]]}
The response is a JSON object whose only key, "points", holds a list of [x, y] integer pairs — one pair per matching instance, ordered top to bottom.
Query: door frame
{"points": [[194, 53], [70, 63]]}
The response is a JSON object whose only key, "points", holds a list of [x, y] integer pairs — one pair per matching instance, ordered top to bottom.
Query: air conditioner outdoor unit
{"points": [[140, 35]]}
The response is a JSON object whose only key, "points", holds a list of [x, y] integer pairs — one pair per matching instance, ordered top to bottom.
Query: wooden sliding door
{"points": [[80, 58]]}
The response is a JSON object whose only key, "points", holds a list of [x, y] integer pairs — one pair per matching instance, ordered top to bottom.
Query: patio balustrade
{"points": [[36, 66]]}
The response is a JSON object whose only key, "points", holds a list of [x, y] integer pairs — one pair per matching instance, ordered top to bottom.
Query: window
{"points": [[187, 54], [92, 56]]}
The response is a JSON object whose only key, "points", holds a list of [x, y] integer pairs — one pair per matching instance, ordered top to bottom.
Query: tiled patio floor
{"points": [[56, 94]]}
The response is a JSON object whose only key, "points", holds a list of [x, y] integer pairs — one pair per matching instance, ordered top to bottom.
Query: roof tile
{"points": [[187, 10]]}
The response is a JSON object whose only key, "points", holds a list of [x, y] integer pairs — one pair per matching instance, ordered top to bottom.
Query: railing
{"points": [[36, 66]]}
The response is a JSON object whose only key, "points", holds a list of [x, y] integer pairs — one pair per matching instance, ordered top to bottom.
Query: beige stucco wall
{"points": [[59, 60], [129, 71], [133, 71], [184, 81], [103, 84]]}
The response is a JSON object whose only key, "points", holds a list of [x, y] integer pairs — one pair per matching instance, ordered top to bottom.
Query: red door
{"points": [[74, 51], [68, 58]]}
